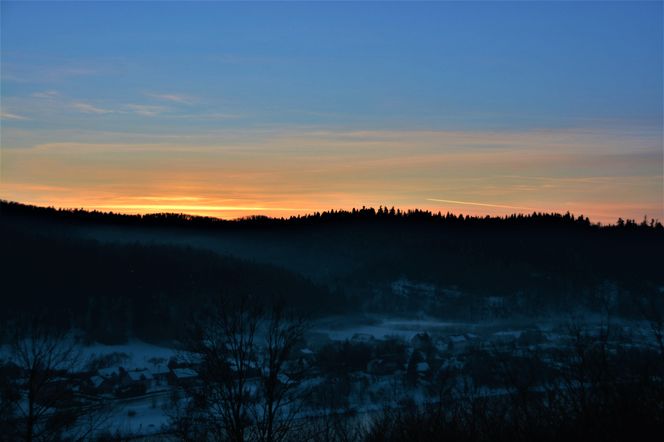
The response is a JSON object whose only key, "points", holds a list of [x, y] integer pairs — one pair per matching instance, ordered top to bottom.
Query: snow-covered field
{"points": [[340, 328], [142, 415]]}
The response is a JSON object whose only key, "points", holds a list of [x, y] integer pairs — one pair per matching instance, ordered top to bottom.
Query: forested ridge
{"points": [[123, 274]]}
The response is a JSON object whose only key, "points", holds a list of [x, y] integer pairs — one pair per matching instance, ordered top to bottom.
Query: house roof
{"points": [[457, 339], [107, 372], [182, 373], [137, 375], [97, 381]]}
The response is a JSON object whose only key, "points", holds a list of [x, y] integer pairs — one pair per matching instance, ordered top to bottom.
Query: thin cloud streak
{"points": [[46, 94], [175, 98], [88, 108], [146, 110], [13, 117], [167, 198], [502, 206], [186, 208]]}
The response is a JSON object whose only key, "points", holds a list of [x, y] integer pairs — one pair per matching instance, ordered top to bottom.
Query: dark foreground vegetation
{"points": [[247, 372]]}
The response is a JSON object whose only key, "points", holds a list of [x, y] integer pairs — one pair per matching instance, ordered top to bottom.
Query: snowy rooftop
{"points": [[107, 372], [182, 373], [139, 375]]}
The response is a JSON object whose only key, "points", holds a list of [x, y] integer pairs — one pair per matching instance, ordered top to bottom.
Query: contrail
{"points": [[479, 204]]}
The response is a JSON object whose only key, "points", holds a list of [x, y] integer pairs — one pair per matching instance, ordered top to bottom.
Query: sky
{"points": [[235, 109]]}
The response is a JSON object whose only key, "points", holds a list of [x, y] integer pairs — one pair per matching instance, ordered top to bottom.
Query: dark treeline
{"points": [[536, 219]]}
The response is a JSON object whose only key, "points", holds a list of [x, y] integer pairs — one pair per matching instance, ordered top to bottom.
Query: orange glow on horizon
{"points": [[299, 172], [190, 209], [602, 214]]}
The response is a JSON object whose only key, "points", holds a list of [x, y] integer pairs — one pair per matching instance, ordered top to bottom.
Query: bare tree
{"points": [[224, 350], [280, 377], [249, 383], [9, 397], [42, 404], [331, 426]]}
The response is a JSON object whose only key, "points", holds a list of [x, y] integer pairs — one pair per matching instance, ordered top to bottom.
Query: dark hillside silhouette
{"points": [[382, 214], [150, 269], [115, 291]]}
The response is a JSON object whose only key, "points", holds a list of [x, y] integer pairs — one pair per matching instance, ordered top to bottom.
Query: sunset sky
{"points": [[227, 109]]}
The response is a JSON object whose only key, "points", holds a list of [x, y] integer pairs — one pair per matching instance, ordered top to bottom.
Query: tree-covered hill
{"points": [[326, 262], [118, 290]]}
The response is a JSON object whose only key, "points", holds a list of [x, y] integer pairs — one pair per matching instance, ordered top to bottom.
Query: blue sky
{"points": [[138, 73]]}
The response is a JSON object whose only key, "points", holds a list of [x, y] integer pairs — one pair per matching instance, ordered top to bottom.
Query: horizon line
{"points": [[433, 213]]}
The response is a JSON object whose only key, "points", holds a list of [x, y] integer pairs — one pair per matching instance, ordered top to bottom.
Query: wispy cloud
{"points": [[35, 70], [46, 94], [174, 98], [88, 108], [146, 110], [10, 116], [208, 116]]}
